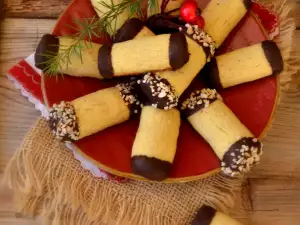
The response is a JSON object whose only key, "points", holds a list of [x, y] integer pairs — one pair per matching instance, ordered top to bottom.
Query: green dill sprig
{"points": [[87, 28]]}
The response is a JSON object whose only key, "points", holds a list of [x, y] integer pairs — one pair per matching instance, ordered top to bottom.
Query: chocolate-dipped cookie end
{"points": [[247, 3], [129, 30], [49, 44], [178, 50], [273, 55], [105, 61], [211, 76], [158, 91], [130, 96], [198, 100], [63, 122], [241, 156], [150, 167], [204, 216]]}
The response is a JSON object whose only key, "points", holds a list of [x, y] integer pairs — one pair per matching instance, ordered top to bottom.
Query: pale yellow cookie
{"points": [[101, 10], [221, 16], [245, 65], [231, 140], [155, 143]]}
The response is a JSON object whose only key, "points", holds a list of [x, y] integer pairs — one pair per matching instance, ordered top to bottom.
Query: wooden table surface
{"points": [[273, 189]]}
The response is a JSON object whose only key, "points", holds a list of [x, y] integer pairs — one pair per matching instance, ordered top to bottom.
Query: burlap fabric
{"points": [[50, 183]]}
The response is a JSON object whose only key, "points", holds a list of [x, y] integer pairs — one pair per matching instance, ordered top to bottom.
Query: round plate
{"points": [[253, 103]]}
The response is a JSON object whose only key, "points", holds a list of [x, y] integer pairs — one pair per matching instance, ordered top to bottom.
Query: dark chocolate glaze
{"points": [[248, 4], [164, 24], [129, 30], [49, 44], [206, 49], [178, 50], [273, 55], [104, 61], [210, 75], [148, 87], [130, 94], [66, 115], [235, 152], [151, 168], [204, 216]]}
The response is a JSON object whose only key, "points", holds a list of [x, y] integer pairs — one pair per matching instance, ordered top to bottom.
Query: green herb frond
{"points": [[87, 28]]}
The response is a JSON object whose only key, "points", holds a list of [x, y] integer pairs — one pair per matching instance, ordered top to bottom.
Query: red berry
{"points": [[190, 12], [200, 22]]}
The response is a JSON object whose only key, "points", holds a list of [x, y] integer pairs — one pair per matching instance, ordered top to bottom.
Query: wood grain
{"points": [[34, 8], [53, 8], [16, 113], [273, 188], [275, 201]]}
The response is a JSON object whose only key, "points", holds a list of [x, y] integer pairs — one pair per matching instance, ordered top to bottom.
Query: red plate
{"points": [[110, 149]]}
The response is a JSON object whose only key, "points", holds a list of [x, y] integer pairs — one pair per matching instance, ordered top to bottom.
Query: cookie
{"points": [[101, 10], [222, 16], [132, 28], [162, 52], [244, 65], [164, 88], [71, 121], [233, 143], [155, 144], [210, 216]]}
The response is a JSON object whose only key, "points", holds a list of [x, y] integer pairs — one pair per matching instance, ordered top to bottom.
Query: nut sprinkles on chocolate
{"points": [[202, 38], [159, 91], [129, 95], [198, 100], [63, 122], [241, 156]]}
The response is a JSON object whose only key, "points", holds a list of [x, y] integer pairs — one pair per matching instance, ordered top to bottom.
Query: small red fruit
{"points": [[190, 12], [200, 22]]}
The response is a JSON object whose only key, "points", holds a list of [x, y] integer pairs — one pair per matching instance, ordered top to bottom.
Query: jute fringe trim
{"points": [[50, 183], [58, 190]]}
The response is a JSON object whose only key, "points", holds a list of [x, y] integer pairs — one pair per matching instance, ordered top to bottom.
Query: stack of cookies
{"points": [[159, 68]]}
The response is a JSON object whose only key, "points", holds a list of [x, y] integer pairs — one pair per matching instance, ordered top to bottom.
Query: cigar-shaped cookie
{"points": [[102, 10], [222, 16], [132, 28], [161, 52], [244, 65], [164, 88], [71, 121], [232, 142], [155, 143], [210, 216]]}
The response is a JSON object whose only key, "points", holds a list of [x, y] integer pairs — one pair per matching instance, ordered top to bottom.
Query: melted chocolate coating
{"points": [[248, 4], [164, 24], [129, 30], [48, 44], [178, 50], [273, 55], [104, 61], [210, 75], [158, 92], [130, 94], [197, 101], [63, 122], [241, 156], [151, 168], [204, 216]]}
